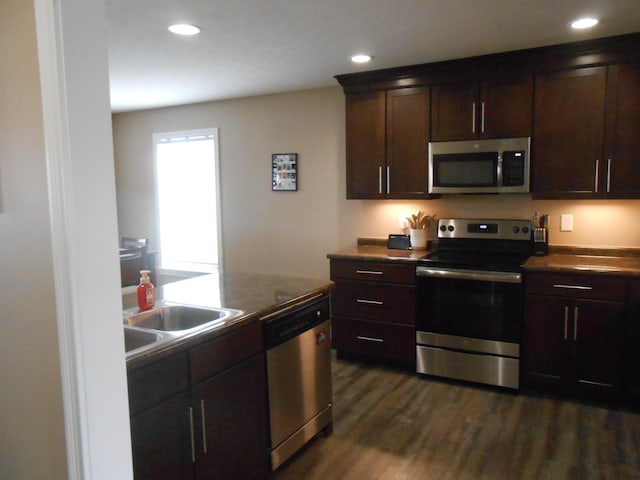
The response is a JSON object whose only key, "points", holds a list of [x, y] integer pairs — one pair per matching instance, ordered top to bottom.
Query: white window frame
{"points": [[157, 137]]}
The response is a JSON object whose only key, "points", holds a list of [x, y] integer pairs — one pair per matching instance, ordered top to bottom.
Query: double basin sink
{"points": [[152, 329]]}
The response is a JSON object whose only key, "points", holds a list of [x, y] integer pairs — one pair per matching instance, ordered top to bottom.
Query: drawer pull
{"points": [[369, 272], [572, 287], [369, 302], [370, 339], [595, 384]]}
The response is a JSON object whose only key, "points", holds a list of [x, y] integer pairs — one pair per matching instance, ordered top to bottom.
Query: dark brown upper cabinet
{"points": [[580, 103], [489, 109], [568, 133], [387, 138], [585, 142], [621, 160]]}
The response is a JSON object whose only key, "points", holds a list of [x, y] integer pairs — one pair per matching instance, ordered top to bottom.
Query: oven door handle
{"points": [[479, 275]]}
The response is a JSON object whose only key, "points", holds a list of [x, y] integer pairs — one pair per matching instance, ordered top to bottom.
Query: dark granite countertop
{"points": [[375, 249], [562, 259], [585, 263], [257, 295]]}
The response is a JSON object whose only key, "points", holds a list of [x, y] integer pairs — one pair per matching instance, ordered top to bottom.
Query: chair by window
{"points": [[131, 242]]}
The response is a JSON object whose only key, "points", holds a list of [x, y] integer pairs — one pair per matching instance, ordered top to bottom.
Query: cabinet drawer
{"points": [[373, 272], [575, 286], [366, 301], [375, 339], [224, 352], [157, 382]]}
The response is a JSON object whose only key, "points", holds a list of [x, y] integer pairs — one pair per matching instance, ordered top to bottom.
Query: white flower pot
{"points": [[418, 238]]}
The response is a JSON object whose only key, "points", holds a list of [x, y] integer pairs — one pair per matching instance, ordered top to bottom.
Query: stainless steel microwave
{"points": [[480, 166]]}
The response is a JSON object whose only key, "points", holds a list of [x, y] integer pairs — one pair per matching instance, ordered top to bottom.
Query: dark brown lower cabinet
{"points": [[373, 310], [572, 345], [631, 350], [202, 413], [231, 440], [161, 441]]}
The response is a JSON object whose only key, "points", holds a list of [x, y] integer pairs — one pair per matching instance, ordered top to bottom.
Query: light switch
{"points": [[566, 222]]}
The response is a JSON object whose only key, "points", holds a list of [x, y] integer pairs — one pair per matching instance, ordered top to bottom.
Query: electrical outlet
{"points": [[403, 221], [566, 222]]}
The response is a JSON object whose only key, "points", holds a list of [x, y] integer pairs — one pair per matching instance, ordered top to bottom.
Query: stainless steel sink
{"points": [[174, 318], [152, 330], [136, 339]]}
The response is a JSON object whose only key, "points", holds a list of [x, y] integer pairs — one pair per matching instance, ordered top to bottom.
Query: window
{"points": [[187, 194]]}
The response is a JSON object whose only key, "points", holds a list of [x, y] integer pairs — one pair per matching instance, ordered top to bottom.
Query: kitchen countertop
{"points": [[378, 252], [612, 261], [582, 263], [256, 295]]}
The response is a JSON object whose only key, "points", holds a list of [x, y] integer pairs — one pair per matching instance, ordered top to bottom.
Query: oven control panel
{"points": [[496, 229]]}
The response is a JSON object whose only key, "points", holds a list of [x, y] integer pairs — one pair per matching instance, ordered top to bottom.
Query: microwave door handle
{"points": [[499, 168]]}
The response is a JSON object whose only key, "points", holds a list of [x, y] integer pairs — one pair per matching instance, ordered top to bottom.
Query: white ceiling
{"points": [[253, 47]]}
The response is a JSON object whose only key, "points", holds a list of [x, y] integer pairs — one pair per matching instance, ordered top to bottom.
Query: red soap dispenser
{"points": [[146, 293]]}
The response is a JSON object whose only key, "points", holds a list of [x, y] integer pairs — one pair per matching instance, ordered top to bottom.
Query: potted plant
{"points": [[419, 224]]}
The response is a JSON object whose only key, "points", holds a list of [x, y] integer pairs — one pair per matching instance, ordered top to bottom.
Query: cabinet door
{"points": [[506, 108], [454, 112], [365, 129], [568, 133], [407, 141], [620, 172], [631, 340], [596, 342], [545, 351], [231, 428], [161, 441]]}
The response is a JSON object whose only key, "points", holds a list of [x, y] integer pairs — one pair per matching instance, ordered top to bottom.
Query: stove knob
{"points": [[443, 228], [450, 228], [516, 229], [525, 230]]}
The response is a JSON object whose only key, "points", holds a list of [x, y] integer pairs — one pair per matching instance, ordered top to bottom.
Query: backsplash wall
{"points": [[597, 223]]}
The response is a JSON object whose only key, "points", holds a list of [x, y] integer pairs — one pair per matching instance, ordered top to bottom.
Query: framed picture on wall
{"points": [[284, 172]]}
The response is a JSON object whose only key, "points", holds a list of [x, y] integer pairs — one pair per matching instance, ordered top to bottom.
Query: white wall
{"points": [[263, 231], [291, 233], [63, 391], [32, 441]]}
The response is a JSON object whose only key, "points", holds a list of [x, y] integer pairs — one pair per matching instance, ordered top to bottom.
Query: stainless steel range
{"points": [[469, 301]]}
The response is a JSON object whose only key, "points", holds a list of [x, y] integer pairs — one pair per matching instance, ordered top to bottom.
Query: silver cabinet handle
{"points": [[473, 117], [482, 117], [608, 175], [596, 176], [388, 179], [380, 180], [369, 272], [572, 287], [369, 302], [566, 322], [575, 323], [370, 339], [204, 428], [193, 442]]}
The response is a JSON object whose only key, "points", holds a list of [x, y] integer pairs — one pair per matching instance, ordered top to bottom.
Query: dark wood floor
{"points": [[395, 425]]}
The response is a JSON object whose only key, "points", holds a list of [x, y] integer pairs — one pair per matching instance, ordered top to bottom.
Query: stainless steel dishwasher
{"points": [[298, 345]]}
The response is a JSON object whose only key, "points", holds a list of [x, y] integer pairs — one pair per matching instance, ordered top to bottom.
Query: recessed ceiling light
{"points": [[582, 23], [184, 29], [360, 58]]}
